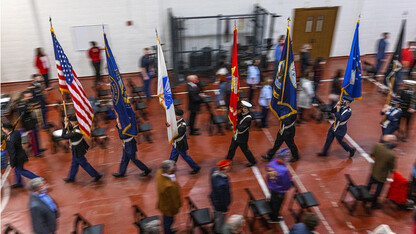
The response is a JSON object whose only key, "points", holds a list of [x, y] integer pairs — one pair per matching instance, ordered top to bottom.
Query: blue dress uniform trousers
{"points": [[330, 137], [175, 154], [126, 159], [81, 161]]}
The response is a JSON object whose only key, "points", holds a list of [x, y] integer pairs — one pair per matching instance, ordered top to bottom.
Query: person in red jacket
{"points": [[95, 56], [42, 64]]}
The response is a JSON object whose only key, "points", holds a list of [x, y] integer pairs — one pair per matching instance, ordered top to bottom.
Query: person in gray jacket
{"points": [[43, 208]]}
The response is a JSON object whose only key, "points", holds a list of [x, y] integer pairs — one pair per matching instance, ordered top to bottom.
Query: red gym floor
{"points": [[110, 201]]}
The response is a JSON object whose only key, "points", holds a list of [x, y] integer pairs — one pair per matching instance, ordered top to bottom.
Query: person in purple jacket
{"points": [[278, 182]]}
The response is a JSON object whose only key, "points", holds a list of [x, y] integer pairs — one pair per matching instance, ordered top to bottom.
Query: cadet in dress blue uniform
{"points": [[393, 114], [338, 129], [241, 135], [180, 144], [79, 148], [129, 153]]}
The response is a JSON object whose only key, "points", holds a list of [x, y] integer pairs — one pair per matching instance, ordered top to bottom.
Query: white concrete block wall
{"points": [[22, 32]]}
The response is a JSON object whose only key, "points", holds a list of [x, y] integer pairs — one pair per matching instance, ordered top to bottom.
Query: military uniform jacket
{"points": [[36, 89], [194, 98], [392, 119], [28, 122], [340, 124], [243, 125], [180, 142], [129, 143], [78, 144], [14, 148]]}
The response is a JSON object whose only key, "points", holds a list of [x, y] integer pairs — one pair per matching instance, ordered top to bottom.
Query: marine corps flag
{"points": [[235, 85], [351, 85], [165, 94], [121, 102], [283, 103]]}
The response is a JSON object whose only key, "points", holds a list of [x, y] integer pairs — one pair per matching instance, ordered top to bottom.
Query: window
{"points": [[309, 23], [319, 23]]}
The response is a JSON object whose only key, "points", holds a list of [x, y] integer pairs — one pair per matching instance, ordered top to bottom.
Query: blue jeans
{"points": [[223, 86], [330, 137], [175, 154], [81, 161], [125, 161], [20, 171], [167, 223]]}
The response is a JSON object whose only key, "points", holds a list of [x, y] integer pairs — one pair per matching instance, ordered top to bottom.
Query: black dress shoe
{"points": [[196, 129], [195, 133], [42, 150], [352, 152], [322, 154], [38, 155], [266, 158], [294, 160], [250, 164], [195, 171], [146, 173], [118, 175], [97, 178], [69, 180], [17, 186], [173, 230]]}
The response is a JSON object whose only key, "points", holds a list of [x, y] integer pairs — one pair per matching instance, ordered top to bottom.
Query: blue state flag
{"points": [[351, 85], [121, 102], [283, 103]]}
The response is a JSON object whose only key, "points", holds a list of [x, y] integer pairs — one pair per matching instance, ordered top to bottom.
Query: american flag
{"points": [[68, 82]]}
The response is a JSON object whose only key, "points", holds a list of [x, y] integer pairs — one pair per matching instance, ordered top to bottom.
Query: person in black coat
{"points": [[38, 98], [194, 101], [26, 108], [286, 134], [241, 135], [180, 144], [79, 148], [17, 154], [129, 154], [220, 193], [43, 208]]}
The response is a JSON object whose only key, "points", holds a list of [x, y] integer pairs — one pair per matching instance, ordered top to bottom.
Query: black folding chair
{"points": [[359, 193], [305, 201], [260, 209], [199, 217], [141, 219], [86, 226]]}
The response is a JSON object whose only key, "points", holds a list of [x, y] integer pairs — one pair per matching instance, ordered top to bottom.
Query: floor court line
{"points": [[300, 184]]}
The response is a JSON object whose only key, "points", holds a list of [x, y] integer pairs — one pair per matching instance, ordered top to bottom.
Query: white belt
{"points": [[338, 124], [283, 128], [127, 140], [76, 142]]}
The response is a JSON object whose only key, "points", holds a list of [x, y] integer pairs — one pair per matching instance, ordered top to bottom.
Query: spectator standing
{"points": [[381, 50], [278, 53], [95, 55], [305, 58], [407, 61], [43, 65], [146, 69], [317, 75], [253, 78], [222, 82], [336, 87], [266, 94], [38, 96], [305, 96], [194, 101], [26, 107], [17, 154], [384, 163], [278, 182], [220, 193], [169, 194], [43, 208]]}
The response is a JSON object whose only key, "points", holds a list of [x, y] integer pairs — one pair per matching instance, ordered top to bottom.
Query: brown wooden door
{"points": [[316, 27]]}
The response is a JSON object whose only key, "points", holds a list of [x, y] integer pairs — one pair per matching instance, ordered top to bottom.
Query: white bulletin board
{"points": [[84, 34]]}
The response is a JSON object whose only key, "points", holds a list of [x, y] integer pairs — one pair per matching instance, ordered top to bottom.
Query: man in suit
{"points": [[381, 50], [195, 100], [25, 108], [393, 114], [338, 129], [286, 134], [241, 135], [180, 144], [79, 148], [17, 154], [129, 154], [384, 163], [220, 193], [169, 194], [43, 208]]}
